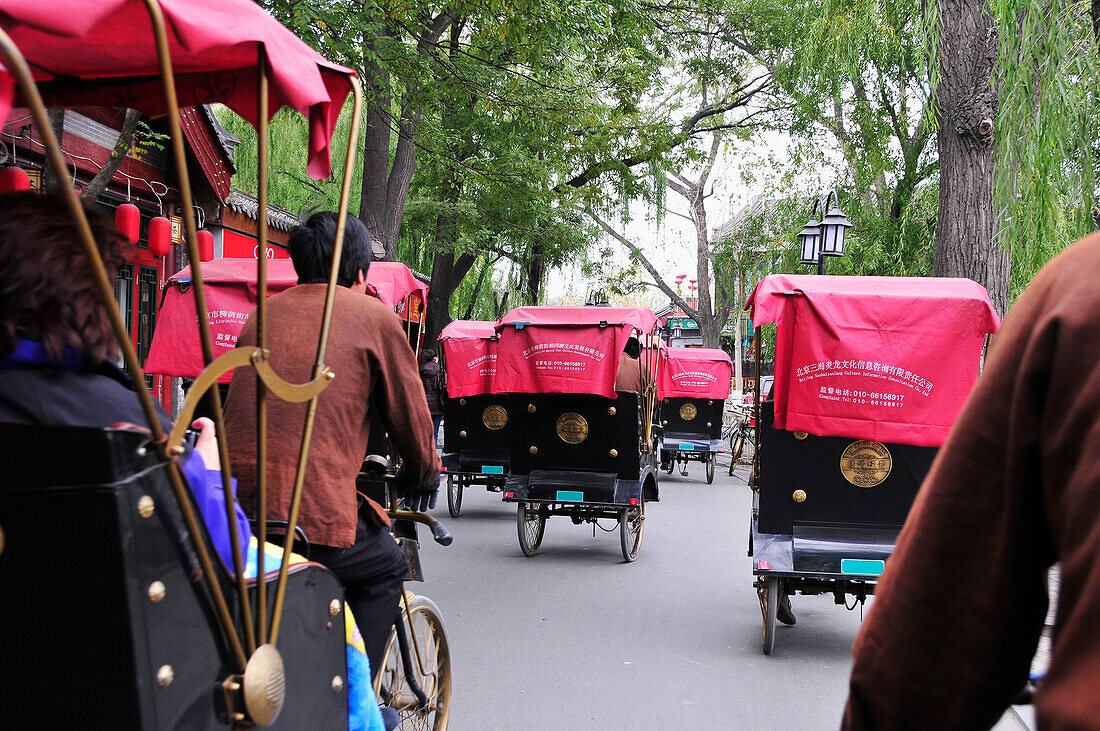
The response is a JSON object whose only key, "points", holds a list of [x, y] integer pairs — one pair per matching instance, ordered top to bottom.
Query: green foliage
{"points": [[1047, 129], [288, 185]]}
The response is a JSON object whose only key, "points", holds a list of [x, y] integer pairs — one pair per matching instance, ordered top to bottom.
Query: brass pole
{"points": [[18, 65], [262, 149], [180, 158], [322, 343]]}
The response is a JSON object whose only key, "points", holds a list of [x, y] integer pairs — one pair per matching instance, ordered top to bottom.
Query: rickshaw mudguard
{"points": [[681, 442], [484, 462], [823, 552], [103, 590]]}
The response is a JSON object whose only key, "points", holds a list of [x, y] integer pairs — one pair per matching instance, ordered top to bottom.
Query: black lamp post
{"points": [[820, 239]]}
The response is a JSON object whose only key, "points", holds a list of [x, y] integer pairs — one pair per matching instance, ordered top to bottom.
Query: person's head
{"points": [[312, 243], [47, 290], [633, 348], [428, 355]]}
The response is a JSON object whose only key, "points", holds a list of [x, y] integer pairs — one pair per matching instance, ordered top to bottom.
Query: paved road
{"points": [[574, 638]]}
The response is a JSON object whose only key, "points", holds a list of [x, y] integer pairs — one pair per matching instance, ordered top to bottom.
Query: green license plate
{"points": [[687, 447], [492, 469], [570, 496], [862, 566]]}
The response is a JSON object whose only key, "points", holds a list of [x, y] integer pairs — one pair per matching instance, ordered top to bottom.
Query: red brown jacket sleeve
{"points": [[398, 394], [958, 613]]}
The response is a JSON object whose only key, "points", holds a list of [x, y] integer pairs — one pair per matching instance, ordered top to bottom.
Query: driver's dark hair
{"points": [[312, 243], [47, 289], [633, 348]]}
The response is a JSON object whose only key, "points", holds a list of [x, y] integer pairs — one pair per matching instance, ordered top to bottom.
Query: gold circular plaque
{"points": [[688, 412], [494, 417], [572, 428], [800, 435], [866, 464], [799, 496]]}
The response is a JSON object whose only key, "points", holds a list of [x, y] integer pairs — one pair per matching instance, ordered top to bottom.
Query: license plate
{"points": [[687, 447], [492, 469], [570, 496], [862, 566]]}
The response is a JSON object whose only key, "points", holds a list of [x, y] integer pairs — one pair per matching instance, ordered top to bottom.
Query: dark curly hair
{"points": [[47, 292]]}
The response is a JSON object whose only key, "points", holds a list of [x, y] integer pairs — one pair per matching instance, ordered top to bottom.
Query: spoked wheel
{"points": [[737, 446], [710, 469], [454, 496], [531, 522], [631, 523], [768, 590], [431, 667]]}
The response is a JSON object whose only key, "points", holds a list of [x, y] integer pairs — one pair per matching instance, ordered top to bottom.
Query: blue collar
{"points": [[33, 354]]}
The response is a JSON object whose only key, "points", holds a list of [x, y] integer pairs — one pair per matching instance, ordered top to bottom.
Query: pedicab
{"points": [[870, 373], [692, 384], [476, 435], [579, 448], [110, 573]]}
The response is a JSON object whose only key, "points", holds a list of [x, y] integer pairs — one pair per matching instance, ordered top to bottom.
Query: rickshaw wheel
{"points": [[710, 469], [454, 496], [531, 523], [631, 524], [768, 590], [434, 676]]}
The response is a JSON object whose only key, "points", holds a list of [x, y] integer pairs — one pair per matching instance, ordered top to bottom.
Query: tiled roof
{"points": [[248, 205]]}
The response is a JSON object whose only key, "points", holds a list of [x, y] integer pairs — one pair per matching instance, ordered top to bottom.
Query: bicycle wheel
{"points": [[710, 469], [454, 496], [531, 523], [631, 523], [768, 590], [430, 659]]}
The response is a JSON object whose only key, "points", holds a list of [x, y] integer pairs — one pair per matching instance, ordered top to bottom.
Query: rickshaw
{"points": [[870, 373], [692, 384], [476, 435], [579, 448], [110, 573]]}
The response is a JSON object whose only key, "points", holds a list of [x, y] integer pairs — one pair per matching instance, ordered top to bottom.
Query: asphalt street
{"points": [[576, 638]]}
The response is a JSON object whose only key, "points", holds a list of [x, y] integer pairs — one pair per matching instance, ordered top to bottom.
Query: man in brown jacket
{"points": [[375, 369], [958, 614]]}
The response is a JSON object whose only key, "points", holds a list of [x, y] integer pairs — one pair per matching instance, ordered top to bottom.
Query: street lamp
{"points": [[824, 238]]}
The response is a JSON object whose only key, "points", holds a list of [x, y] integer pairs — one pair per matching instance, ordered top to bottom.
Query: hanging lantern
{"points": [[14, 178], [128, 222], [160, 236], [206, 245]]}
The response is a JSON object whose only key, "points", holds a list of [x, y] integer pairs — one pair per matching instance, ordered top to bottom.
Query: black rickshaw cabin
{"points": [[870, 373], [692, 385], [476, 429], [579, 448]]}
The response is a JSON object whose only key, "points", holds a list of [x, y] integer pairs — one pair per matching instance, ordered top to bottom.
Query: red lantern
{"points": [[14, 178], [128, 222], [160, 236], [206, 245]]}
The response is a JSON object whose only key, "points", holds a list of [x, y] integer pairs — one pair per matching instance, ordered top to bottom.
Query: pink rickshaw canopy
{"points": [[102, 54], [231, 293], [470, 355], [887, 359], [694, 373]]}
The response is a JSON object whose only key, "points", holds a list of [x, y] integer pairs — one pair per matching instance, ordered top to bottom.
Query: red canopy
{"points": [[102, 53], [230, 296], [565, 349], [470, 352], [888, 359], [694, 373]]}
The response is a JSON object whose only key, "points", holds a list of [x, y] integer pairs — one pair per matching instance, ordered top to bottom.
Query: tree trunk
{"points": [[122, 147], [51, 183], [966, 243], [447, 274]]}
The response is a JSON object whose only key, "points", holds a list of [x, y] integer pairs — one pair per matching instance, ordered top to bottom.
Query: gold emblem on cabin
{"points": [[688, 412], [494, 417], [572, 428], [800, 435], [866, 464]]}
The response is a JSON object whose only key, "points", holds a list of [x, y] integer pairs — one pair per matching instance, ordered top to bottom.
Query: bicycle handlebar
{"points": [[440, 533]]}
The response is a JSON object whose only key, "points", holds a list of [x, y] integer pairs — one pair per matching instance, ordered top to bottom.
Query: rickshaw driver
{"points": [[375, 369], [629, 376]]}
